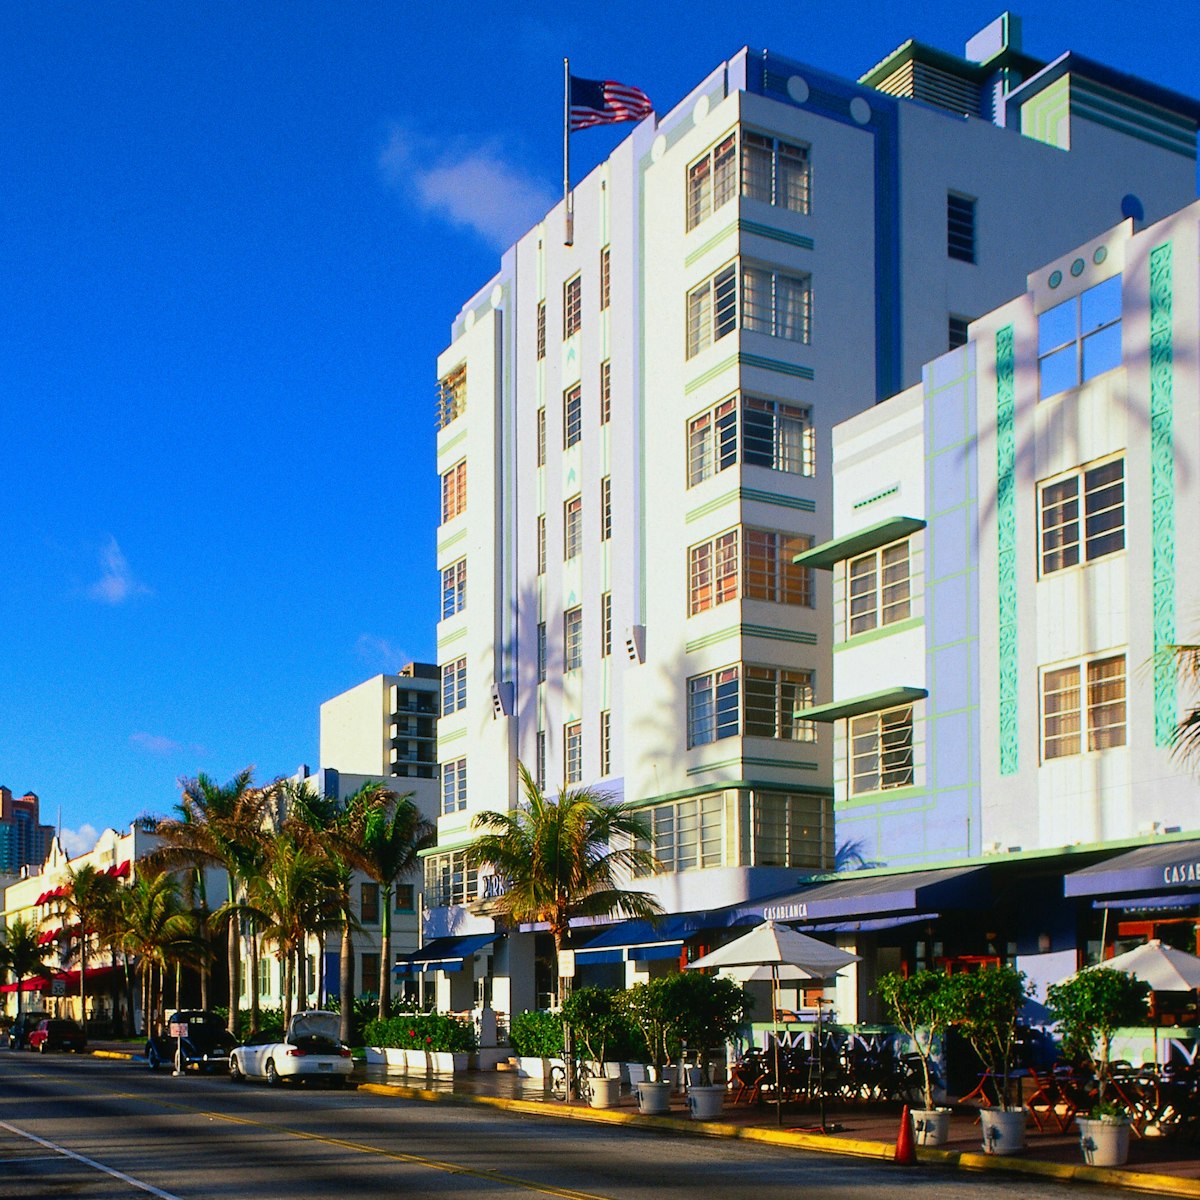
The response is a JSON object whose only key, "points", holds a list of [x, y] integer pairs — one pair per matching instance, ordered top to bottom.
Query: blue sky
{"points": [[233, 238]]}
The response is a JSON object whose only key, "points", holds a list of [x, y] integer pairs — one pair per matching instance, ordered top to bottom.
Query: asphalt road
{"points": [[100, 1129]]}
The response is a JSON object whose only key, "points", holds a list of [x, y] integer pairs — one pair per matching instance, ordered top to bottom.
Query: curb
{"points": [[125, 1055], [1137, 1181]]}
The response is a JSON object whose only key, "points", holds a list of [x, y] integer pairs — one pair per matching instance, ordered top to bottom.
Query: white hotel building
{"points": [[635, 439]]}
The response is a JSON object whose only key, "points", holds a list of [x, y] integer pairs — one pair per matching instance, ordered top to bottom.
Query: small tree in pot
{"points": [[922, 1008], [704, 1011], [598, 1024]]}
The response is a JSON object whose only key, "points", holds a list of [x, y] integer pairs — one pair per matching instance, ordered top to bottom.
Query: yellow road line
{"points": [[449, 1168]]}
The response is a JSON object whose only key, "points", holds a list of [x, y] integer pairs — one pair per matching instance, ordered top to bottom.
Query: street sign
{"points": [[566, 964], [58, 987], [179, 1029]]}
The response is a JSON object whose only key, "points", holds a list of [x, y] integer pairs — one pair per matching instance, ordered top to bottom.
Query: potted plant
{"points": [[645, 1004], [920, 1005], [984, 1006], [1089, 1008], [704, 1011], [598, 1024], [537, 1038]]}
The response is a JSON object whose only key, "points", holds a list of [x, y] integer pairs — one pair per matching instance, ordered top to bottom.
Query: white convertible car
{"points": [[310, 1049]]}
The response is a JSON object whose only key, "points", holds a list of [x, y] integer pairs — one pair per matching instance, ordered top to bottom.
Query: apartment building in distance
{"points": [[635, 440], [1009, 578], [24, 840]]}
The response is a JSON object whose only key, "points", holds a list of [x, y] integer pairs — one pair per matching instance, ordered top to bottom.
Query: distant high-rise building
{"points": [[24, 840]]}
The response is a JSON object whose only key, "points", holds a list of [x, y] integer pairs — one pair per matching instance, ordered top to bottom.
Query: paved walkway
{"points": [[1163, 1166]]}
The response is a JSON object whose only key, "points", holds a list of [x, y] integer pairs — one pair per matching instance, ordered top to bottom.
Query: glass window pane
{"points": [[1100, 305], [1056, 327], [1101, 351], [1059, 371]]}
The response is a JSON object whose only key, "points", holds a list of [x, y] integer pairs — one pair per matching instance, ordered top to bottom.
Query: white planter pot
{"points": [[376, 1055], [416, 1062], [447, 1062], [533, 1068], [606, 1092], [654, 1099], [705, 1101], [931, 1126], [1003, 1130], [1105, 1143]]}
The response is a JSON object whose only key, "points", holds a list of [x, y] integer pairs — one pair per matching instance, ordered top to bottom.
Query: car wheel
{"points": [[152, 1059], [235, 1072], [272, 1074]]}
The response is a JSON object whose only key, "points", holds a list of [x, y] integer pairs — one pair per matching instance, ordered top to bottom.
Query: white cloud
{"points": [[476, 188], [116, 583], [380, 653], [154, 743], [78, 841]]}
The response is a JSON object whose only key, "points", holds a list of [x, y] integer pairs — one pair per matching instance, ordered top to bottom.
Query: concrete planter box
{"points": [[415, 1062], [447, 1062], [537, 1068], [606, 1091], [654, 1099], [705, 1101], [931, 1126], [1003, 1130], [1105, 1142]]}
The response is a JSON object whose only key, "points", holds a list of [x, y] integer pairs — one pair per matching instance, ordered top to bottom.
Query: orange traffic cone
{"points": [[906, 1150]]}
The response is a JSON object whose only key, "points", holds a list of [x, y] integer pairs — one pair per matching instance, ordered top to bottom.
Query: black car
{"points": [[23, 1026], [205, 1045]]}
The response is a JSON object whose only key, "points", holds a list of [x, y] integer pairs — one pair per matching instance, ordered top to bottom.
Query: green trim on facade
{"points": [[1046, 117], [1131, 128], [776, 235], [713, 242], [793, 370], [710, 374], [452, 442], [1162, 492], [755, 494], [877, 496], [711, 506], [1006, 539], [451, 541], [773, 633], [873, 635], [451, 638], [711, 639], [454, 736], [774, 763], [779, 764], [734, 785], [873, 799]]}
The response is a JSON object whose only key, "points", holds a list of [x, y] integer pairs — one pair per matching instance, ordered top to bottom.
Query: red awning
{"points": [[122, 872], [41, 899], [71, 978], [37, 983]]}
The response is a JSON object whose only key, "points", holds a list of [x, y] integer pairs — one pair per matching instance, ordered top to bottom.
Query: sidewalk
{"points": [[1162, 1166]]}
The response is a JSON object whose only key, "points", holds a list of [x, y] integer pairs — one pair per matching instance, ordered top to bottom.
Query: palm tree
{"points": [[1183, 660], [220, 826], [389, 833], [566, 857], [294, 897], [87, 902], [156, 930], [23, 956]]}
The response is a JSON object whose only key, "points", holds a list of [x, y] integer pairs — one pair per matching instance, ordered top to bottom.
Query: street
{"points": [[91, 1128]]}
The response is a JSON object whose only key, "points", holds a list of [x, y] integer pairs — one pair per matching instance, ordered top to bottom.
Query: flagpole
{"points": [[568, 213]]}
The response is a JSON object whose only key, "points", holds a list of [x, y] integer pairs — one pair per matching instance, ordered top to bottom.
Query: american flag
{"points": [[603, 102]]}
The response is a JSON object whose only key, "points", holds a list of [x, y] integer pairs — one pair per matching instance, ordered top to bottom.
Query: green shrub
{"points": [[268, 1018], [600, 1026], [421, 1031], [537, 1034]]}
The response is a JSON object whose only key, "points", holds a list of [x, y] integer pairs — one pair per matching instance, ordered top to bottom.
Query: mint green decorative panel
{"points": [[1162, 492], [1006, 543]]}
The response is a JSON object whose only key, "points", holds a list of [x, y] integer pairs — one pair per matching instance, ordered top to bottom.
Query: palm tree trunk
{"points": [[254, 953], [385, 953], [83, 954], [234, 964], [346, 981], [287, 986]]}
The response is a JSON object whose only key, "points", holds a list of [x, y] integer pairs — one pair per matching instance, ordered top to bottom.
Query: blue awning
{"points": [[1168, 868], [1148, 903], [641, 940], [443, 954]]}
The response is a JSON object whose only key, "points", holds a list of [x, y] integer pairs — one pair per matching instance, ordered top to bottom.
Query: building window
{"points": [[775, 172], [712, 180], [960, 227], [605, 278], [776, 304], [572, 306], [712, 310], [541, 329], [956, 333], [1080, 338], [605, 392], [452, 396], [572, 415], [759, 433], [541, 436], [454, 491], [606, 508], [572, 527], [1065, 539], [541, 544], [768, 570], [713, 572], [454, 588], [879, 588], [606, 624], [573, 639], [541, 651], [454, 686], [773, 696], [714, 703], [1066, 713], [605, 743], [881, 750], [573, 752], [540, 764], [454, 785], [787, 830], [689, 835], [449, 880], [406, 898], [369, 903], [370, 974], [264, 976]]}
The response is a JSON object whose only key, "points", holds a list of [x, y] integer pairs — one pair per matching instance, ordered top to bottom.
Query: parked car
{"points": [[22, 1027], [58, 1033], [205, 1046], [310, 1049]]}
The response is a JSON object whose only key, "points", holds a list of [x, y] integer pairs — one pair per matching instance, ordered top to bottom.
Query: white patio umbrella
{"points": [[780, 947], [1164, 968]]}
